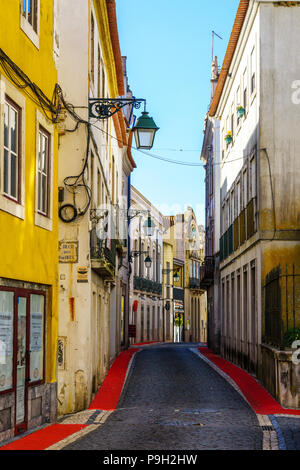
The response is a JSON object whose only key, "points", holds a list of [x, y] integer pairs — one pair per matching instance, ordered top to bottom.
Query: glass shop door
{"points": [[21, 366]]}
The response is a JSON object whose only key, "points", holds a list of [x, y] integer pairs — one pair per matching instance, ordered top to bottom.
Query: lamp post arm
{"points": [[104, 108]]}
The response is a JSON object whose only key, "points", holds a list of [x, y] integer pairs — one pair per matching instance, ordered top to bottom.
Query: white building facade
{"points": [[92, 156], [259, 230], [146, 305]]}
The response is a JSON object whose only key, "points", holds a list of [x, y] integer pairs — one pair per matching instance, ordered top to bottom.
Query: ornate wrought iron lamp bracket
{"points": [[104, 108]]}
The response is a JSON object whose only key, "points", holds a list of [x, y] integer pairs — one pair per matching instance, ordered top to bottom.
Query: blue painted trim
{"points": [[281, 440]]}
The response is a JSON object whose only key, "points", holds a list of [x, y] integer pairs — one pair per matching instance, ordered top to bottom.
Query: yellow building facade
{"points": [[28, 217], [168, 304]]}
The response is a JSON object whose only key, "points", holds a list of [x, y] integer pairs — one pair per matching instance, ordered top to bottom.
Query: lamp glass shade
{"points": [[144, 131], [149, 227], [148, 262], [176, 277]]}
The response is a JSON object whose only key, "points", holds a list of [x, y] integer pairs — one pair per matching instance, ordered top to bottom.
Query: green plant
{"points": [[290, 336]]}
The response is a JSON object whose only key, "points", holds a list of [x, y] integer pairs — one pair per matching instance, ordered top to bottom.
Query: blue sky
{"points": [[168, 44]]}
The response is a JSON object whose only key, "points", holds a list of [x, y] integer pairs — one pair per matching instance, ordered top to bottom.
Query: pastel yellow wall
{"points": [[27, 252], [286, 255], [167, 258]]}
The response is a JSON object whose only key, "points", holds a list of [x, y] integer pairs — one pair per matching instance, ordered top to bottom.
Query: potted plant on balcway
{"points": [[240, 111], [228, 137]]}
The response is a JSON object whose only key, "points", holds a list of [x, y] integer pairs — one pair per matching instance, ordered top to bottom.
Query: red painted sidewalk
{"points": [[110, 391], [258, 397], [106, 399], [44, 438]]}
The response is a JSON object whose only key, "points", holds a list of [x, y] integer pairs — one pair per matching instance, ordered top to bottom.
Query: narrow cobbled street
{"points": [[173, 400]]}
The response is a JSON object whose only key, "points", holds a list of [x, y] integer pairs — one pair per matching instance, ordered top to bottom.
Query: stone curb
{"points": [[272, 440]]}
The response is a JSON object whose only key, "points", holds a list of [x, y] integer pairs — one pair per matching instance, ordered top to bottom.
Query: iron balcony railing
{"points": [[243, 228], [103, 254], [207, 272], [194, 283], [147, 285]]}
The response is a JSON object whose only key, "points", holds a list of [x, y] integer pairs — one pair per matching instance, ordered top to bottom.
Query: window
{"points": [[30, 13], [30, 23], [92, 48], [253, 69], [99, 73], [103, 84], [245, 94], [238, 102], [12, 150], [12, 167], [43, 173], [253, 177], [98, 188], [245, 188], [238, 198], [232, 207], [227, 214], [223, 219], [153, 265], [37, 306], [22, 330], [6, 340]]}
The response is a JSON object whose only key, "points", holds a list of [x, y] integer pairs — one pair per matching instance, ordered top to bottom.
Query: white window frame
{"points": [[26, 27], [56, 29], [253, 70], [245, 88], [44, 136], [12, 153], [253, 176], [245, 188], [238, 192], [232, 206], [15, 208], [44, 221]]}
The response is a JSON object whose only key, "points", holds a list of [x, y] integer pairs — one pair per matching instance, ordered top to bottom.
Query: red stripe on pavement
{"points": [[148, 342], [110, 391], [258, 397], [106, 399], [44, 438]]}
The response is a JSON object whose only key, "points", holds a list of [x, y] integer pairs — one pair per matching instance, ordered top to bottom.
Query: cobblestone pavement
{"points": [[173, 400], [288, 432]]}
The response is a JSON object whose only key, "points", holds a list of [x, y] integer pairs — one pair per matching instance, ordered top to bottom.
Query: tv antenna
{"points": [[213, 37]]}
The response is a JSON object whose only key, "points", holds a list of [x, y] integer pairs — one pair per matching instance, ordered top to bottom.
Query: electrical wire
{"points": [[51, 108], [169, 160], [78, 181]]}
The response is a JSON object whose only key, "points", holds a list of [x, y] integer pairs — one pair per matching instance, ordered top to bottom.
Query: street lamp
{"points": [[145, 128], [144, 131], [149, 227], [148, 262], [176, 276]]}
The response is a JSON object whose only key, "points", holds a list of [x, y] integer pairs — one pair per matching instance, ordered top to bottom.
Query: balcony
{"points": [[243, 228], [103, 258], [207, 273], [194, 283], [146, 285], [178, 293]]}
